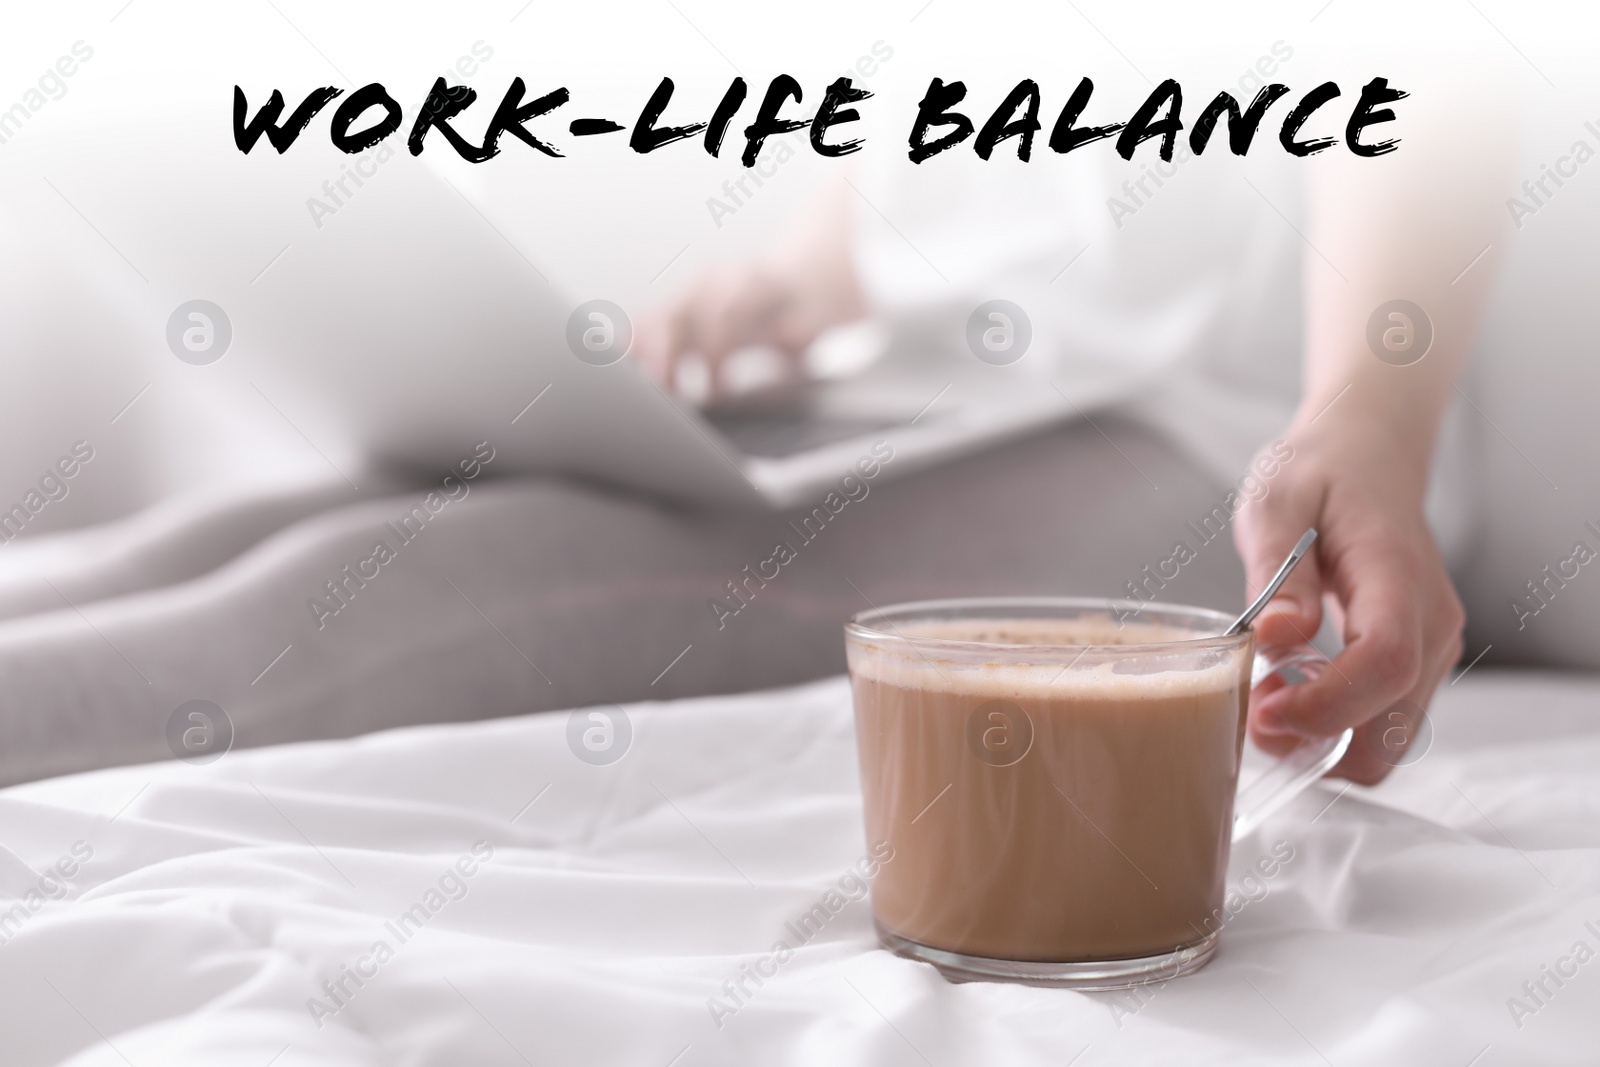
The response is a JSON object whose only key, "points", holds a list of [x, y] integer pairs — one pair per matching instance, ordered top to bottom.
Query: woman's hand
{"points": [[780, 302], [1363, 440], [1375, 565]]}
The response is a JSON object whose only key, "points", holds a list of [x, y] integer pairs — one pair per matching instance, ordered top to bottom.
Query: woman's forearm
{"points": [[1426, 225]]}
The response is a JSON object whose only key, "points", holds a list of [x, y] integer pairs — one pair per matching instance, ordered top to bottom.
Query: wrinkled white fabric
{"points": [[618, 900]]}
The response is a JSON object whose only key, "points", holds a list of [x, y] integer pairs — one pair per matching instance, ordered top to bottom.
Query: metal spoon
{"points": [[1295, 556]]}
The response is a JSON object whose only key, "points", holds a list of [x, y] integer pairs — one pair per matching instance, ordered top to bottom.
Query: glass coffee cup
{"points": [[1058, 779]]}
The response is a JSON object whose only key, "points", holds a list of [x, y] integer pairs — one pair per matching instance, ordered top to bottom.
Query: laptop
{"points": [[405, 327]]}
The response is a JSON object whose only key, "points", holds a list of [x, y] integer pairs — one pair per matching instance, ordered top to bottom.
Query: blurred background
{"points": [[122, 198]]}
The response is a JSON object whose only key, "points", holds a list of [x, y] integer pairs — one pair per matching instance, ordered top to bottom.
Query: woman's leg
{"points": [[168, 543], [535, 595]]}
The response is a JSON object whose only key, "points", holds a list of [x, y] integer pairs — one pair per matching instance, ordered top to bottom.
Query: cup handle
{"points": [[1309, 761]]}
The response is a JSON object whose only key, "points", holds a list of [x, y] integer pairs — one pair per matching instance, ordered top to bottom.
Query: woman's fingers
{"points": [[805, 284], [721, 314], [658, 344], [1265, 533], [1402, 631], [1383, 657], [1386, 730], [1398, 734]]}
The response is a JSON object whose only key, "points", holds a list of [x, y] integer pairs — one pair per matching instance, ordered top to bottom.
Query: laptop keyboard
{"points": [[777, 436]]}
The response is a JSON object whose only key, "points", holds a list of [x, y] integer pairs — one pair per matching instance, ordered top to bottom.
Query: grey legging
{"points": [[534, 594]]}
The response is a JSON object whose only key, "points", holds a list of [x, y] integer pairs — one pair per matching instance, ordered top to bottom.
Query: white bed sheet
{"points": [[218, 899]]}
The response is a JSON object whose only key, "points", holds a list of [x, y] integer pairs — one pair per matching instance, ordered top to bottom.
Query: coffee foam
{"points": [[1098, 630], [1029, 675]]}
